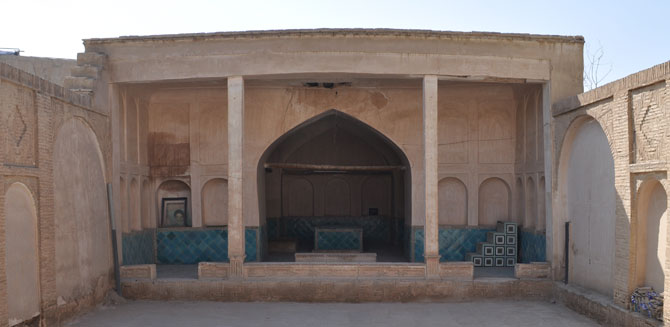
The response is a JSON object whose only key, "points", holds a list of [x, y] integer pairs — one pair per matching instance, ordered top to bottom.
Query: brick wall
{"points": [[31, 111]]}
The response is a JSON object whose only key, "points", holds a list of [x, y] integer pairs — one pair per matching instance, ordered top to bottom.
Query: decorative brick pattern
{"points": [[138, 247]]}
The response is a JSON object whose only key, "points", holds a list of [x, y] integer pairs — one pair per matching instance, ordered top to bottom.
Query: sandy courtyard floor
{"points": [[483, 313]]}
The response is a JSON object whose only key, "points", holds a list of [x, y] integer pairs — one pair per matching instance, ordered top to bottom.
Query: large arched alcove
{"points": [[334, 170], [494, 198], [587, 199], [215, 202], [453, 202], [174, 204], [134, 205], [531, 205], [652, 221], [83, 246], [21, 261]]}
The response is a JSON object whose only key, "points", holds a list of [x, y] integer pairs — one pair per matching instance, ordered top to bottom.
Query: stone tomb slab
{"points": [[336, 257]]}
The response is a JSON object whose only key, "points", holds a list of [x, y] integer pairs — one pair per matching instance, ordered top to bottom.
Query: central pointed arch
{"points": [[334, 170]]}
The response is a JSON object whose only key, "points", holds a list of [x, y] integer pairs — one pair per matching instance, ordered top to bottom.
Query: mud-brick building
{"points": [[329, 165]]}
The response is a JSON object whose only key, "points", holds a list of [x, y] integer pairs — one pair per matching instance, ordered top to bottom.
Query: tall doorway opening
{"points": [[334, 184]]}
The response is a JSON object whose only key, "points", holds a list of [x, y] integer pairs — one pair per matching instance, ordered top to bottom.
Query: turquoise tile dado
{"points": [[333, 239], [418, 242], [454, 243], [190, 246], [138, 247], [251, 247], [533, 247]]}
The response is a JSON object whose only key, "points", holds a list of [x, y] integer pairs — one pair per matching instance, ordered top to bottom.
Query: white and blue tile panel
{"points": [[454, 243]]}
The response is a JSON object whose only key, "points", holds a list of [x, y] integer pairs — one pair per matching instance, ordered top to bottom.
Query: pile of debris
{"points": [[646, 301]]}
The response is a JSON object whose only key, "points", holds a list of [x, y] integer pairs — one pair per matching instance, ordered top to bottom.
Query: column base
{"points": [[432, 265], [236, 267]]}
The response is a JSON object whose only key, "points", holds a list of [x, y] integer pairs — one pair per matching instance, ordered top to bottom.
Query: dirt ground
{"points": [[482, 313]]}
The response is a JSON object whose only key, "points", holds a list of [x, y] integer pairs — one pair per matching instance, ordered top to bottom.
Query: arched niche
{"points": [[337, 139], [171, 194], [494, 195], [298, 197], [337, 197], [587, 199], [146, 202], [215, 202], [453, 202], [520, 202], [134, 205], [531, 205], [541, 206], [125, 214], [652, 228], [21, 258], [83, 258]]}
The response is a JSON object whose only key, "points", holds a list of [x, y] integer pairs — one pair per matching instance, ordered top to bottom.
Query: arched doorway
{"points": [[334, 171], [588, 201]]}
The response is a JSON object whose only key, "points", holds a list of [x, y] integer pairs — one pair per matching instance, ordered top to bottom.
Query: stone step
{"points": [[91, 58], [86, 70]]}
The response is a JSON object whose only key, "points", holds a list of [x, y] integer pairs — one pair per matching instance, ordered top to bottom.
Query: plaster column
{"points": [[235, 186], [431, 255]]}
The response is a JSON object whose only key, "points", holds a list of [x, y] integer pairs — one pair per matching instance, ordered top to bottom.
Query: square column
{"points": [[235, 186], [432, 255]]}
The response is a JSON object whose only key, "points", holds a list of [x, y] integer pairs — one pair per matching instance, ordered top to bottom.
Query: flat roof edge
{"points": [[382, 32]]}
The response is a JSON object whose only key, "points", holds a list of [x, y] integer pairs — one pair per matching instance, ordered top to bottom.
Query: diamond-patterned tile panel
{"points": [[331, 240], [454, 243], [251, 244], [418, 244], [191, 246], [138, 247], [533, 247]]}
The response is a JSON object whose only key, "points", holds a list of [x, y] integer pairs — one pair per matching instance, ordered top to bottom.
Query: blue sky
{"points": [[633, 35]]}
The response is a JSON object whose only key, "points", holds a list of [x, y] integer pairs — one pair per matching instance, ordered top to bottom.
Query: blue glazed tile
{"points": [[338, 240], [455, 243], [251, 244], [418, 244], [191, 246], [138, 247], [533, 247]]}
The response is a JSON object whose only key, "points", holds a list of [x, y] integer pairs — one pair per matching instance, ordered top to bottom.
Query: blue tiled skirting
{"points": [[375, 228], [454, 243], [194, 245], [138, 247], [532, 247]]}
